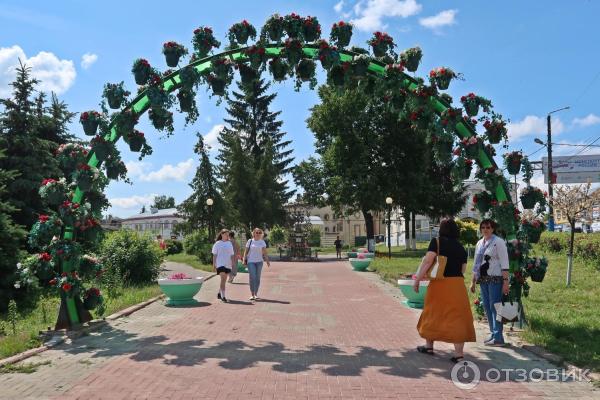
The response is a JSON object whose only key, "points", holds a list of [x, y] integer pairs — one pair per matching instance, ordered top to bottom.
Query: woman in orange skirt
{"points": [[446, 313]]}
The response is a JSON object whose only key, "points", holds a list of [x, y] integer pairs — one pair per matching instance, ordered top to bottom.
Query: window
{"points": [[326, 217], [340, 227], [327, 229], [333, 229]]}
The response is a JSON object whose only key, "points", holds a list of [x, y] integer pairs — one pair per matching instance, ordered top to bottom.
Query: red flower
{"points": [[456, 151], [475, 199], [494, 203], [43, 218], [45, 257], [63, 274], [52, 281], [67, 286], [476, 302]]}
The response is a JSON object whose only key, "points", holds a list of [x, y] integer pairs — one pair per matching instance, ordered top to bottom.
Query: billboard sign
{"points": [[573, 169]]}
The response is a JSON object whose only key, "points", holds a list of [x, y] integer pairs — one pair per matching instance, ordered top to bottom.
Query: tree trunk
{"points": [[407, 229], [370, 231], [413, 242], [570, 255]]}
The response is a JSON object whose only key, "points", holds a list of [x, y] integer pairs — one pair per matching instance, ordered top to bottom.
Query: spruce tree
{"points": [[253, 142], [27, 152], [194, 209]]}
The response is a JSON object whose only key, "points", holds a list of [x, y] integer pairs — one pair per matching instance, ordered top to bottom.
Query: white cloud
{"points": [[338, 7], [369, 16], [437, 21], [88, 59], [54, 74], [590, 120], [533, 125], [211, 138], [136, 168], [168, 172], [133, 201]]}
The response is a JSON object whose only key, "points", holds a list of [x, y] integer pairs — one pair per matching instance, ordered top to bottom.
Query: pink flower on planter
{"points": [[361, 256], [180, 275]]}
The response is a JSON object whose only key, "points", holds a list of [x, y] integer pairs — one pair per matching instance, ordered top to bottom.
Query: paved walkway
{"points": [[322, 331]]}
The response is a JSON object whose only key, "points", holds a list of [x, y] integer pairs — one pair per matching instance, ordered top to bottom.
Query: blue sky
{"points": [[529, 58]]}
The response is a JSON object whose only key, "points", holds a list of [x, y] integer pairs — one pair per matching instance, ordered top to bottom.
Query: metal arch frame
{"points": [[140, 104]]}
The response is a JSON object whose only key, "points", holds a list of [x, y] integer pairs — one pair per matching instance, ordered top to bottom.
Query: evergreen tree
{"points": [[254, 147], [27, 151], [163, 202], [194, 209], [10, 238]]}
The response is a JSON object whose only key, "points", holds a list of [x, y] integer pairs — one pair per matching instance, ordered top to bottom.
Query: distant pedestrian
{"points": [[161, 242], [338, 247], [255, 253], [236, 254], [223, 258], [490, 270], [446, 315]]}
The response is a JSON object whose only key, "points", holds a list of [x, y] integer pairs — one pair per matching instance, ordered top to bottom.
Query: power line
{"points": [[582, 150]]}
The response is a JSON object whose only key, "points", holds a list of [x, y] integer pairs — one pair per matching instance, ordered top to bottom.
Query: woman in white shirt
{"points": [[254, 254], [223, 259], [490, 270]]}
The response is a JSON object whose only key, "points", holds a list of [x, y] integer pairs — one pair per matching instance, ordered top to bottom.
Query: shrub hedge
{"points": [[585, 246]]}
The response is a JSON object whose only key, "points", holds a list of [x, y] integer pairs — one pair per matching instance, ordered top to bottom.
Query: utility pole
{"points": [[550, 174]]}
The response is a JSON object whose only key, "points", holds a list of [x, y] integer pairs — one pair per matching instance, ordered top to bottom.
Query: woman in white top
{"points": [[254, 254], [223, 259], [490, 270]]}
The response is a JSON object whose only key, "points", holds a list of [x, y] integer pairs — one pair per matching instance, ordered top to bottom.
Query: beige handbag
{"points": [[437, 271]]}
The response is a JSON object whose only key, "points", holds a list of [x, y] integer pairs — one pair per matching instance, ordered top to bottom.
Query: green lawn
{"points": [[190, 260], [44, 316], [564, 320]]}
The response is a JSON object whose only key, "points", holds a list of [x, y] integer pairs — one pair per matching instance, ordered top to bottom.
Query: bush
{"points": [[468, 232], [277, 235], [314, 237], [193, 242], [555, 242], [174, 246], [205, 253], [135, 258]]}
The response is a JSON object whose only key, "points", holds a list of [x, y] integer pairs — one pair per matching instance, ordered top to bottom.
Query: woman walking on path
{"points": [[255, 253], [236, 254], [223, 258], [490, 270], [446, 315]]}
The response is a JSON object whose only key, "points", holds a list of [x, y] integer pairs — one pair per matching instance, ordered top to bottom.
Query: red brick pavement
{"points": [[322, 331]]}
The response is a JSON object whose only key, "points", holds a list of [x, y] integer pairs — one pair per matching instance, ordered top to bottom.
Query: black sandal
{"points": [[425, 350], [456, 360]]}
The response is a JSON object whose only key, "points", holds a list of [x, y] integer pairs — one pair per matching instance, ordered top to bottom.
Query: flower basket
{"points": [[293, 24], [273, 28], [311, 29], [240, 32], [341, 33], [204, 41], [293, 51], [173, 52], [327, 55], [257, 56], [411, 58], [360, 66], [278, 69], [305, 69], [141, 70], [247, 74], [337, 74], [442, 77], [218, 86], [115, 94], [186, 100], [472, 102], [161, 119], [90, 121], [125, 122], [495, 130], [136, 141], [471, 146], [101, 148], [512, 161], [468, 168], [112, 171], [53, 192], [530, 196], [528, 201], [483, 202], [68, 212], [533, 229], [44, 230], [536, 268], [537, 275], [92, 299]]}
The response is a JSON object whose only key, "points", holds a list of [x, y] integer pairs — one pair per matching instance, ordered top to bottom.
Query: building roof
{"points": [[154, 213]]}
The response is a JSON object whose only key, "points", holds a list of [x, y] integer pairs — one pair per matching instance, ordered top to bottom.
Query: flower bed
{"points": [[180, 289]]}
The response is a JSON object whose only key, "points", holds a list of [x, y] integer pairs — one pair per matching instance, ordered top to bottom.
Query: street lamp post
{"points": [[548, 145], [389, 201], [209, 203]]}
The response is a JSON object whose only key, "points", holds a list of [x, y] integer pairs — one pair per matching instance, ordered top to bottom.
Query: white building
{"points": [[154, 222]]}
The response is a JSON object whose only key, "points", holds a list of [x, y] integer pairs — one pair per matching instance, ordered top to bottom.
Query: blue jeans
{"points": [[254, 269], [492, 293]]}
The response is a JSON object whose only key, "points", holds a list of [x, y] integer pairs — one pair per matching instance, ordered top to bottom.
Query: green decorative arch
{"points": [[140, 104]]}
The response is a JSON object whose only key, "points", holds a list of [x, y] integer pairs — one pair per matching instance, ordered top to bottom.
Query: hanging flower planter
{"points": [[293, 25], [273, 28], [311, 29], [240, 32], [341, 33], [204, 41], [381, 43], [173, 51], [293, 51], [327, 55], [257, 56], [411, 58], [360, 66], [222, 68], [278, 69], [306, 69], [141, 71], [247, 74], [337, 74], [442, 76], [189, 77], [217, 85], [115, 94], [157, 95], [186, 100], [472, 102], [161, 119], [90, 121], [495, 130], [136, 140], [471, 146], [101, 148], [512, 161], [115, 168], [468, 168], [84, 176], [53, 191], [530, 196], [483, 202], [533, 229], [42, 232], [536, 268], [92, 299]]}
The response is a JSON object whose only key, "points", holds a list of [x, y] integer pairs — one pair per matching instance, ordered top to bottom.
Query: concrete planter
{"points": [[352, 254], [360, 264], [241, 267], [180, 291], [413, 300]]}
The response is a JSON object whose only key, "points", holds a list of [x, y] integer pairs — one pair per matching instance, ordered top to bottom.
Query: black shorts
{"points": [[223, 269]]}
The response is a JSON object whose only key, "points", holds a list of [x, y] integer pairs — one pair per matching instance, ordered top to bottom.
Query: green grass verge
{"points": [[190, 260], [44, 315], [564, 320]]}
